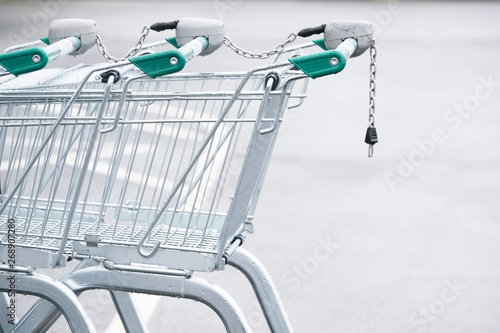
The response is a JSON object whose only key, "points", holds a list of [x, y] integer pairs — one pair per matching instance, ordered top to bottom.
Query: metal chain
{"points": [[133, 51], [263, 55], [373, 72], [371, 137]]}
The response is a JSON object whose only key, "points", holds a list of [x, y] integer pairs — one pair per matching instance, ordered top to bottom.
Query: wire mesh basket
{"points": [[164, 171]]}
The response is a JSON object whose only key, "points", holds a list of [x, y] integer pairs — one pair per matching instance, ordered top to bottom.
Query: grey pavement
{"points": [[405, 242]]}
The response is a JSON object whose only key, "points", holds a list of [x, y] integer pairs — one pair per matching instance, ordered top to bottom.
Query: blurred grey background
{"points": [[409, 240]]}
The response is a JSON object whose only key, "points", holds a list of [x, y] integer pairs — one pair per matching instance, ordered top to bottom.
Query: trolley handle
{"points": [[66, 36], [193, 37], [342, 40], [37, 43], [36, 58], [155, 65]]}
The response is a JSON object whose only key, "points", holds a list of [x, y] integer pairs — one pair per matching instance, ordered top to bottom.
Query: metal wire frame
{"points": [[44, 232]]}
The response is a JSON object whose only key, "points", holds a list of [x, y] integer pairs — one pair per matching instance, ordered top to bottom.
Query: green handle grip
{"points": [[36, 58], [24, 61], [170, 61], [328, 62], [161, 63]]}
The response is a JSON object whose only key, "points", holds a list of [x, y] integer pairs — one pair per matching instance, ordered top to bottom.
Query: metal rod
{"points": [[63, 47], [348, 47], [51, 133], [181, 181], [79, 184], [146, 269], [189, 288], [264, 289], [57, 293], [126, 308], [5, 326]]}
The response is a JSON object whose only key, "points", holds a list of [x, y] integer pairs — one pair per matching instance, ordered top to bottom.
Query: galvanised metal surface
{"points": [[70, 135], [151, 164], [93, 275], [55, 292]]}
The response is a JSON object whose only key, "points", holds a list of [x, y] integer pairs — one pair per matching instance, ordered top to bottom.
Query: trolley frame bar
{"points": [[90, 274], [55, 292]]}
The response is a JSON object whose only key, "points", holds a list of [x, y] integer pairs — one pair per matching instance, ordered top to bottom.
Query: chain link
{"points": [[132, 52], [263, 55], [373, 72], [371, 137]]}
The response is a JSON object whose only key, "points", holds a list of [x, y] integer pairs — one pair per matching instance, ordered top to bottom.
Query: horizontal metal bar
{"points": [[87, 97], [89, 122], [107, 205], [81, 238], [55, 248], [17, 269], [146, 269], [188, 288]]}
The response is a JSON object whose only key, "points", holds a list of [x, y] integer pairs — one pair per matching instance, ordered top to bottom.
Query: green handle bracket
{"points": [[45, 40], [173, 41], [321, 43], [24, 61], [161, 63], [320, 64]]}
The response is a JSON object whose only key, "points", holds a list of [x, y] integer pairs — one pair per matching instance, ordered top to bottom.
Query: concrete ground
{"points": [[405, 242]]}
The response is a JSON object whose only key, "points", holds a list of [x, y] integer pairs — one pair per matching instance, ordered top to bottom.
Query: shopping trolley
{"points": [[143, 176]]}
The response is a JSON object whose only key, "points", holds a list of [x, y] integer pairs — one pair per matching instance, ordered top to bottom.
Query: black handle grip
{"points": [[160, 26], [312, 31]]}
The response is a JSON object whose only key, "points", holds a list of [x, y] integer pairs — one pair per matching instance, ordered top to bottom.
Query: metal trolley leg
{"points": [[155, 284], [164, 285], [264, 289], [55, 292], [4, 303], [126, 309], [44, 314], [39, 318]]}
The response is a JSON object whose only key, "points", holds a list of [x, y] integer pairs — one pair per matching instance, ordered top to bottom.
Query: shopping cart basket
{"points": [[179, 156], [150, 173]]}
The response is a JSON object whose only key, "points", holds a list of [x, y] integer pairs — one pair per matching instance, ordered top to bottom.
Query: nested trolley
{"points": [[164, 171], [143, 176]]}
